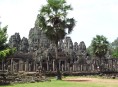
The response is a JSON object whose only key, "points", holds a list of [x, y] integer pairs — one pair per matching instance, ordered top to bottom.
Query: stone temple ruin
{"points": [[38, 51]]}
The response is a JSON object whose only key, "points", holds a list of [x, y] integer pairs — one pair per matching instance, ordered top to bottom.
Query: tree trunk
{"points": [[100, 63], [57, 64]]}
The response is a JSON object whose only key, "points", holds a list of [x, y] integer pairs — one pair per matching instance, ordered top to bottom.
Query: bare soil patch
{"points": [[77, 80], [94, 80]]}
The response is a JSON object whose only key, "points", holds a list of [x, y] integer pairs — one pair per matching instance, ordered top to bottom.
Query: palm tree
{"points": [[53, 21], [100, 46]]}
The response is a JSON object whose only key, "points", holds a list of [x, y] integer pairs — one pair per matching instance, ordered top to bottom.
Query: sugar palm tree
{"points": [[53, 21], [100, 47]]}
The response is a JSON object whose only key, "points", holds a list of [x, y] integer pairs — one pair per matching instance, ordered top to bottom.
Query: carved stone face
{"points": [[12, 41], [24, 45], [70, 45], [82, 46], [75, 47]]}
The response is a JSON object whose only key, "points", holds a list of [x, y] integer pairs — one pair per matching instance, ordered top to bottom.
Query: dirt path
{"points": [[84, 79]]}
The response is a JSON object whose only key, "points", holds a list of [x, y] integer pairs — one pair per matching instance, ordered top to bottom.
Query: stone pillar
{"points": [[2, 64], [41, 64], [11, 65], [19, 65], [22, 65], [47, 65], [53, 65], [59, 65], [65, 65], [112, 65], [25, 66], [16, 67], [29, 67], [68, 67], [73, 67], [78, 67], [34, 68], [62, 68]]}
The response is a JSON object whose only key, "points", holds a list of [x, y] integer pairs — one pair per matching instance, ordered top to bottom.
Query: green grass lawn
{"points": [[55, 83]]}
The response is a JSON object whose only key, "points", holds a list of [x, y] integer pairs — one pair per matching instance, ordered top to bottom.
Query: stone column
{"points": [[2, 64], [41, 64], [11, 65], [20, 65], [47, 65], [53, 65], [59, 65], [65, 65], [112, 65], [25, 66], [16, 67], [29, 67], [68, 67], [73, 67], [34, 68], [62, 68]]}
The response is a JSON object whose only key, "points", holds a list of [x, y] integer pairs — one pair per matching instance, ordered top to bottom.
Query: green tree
{"points": [[53, 21], [115, 43], [100, 46], [114, 48], [4, 49], [89, 50], [115, 52]]}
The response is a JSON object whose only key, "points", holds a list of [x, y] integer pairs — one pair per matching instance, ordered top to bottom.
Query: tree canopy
{"points": [[53, 20], [99, 46], [4, 48]]}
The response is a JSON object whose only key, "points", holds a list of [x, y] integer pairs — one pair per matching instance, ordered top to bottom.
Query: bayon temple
{"points": [[37, 50]]}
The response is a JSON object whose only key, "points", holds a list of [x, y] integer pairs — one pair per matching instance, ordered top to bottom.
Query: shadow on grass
{"points": [[5, 84]]}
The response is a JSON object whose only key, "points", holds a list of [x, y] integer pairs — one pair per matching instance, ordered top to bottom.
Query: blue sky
{"points": [[94, 17]]}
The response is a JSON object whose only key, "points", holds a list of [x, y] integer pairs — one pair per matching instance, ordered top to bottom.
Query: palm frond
{"points": [[45, 10], [53, 20], [42, 22], [70, 24], [100, 45]]}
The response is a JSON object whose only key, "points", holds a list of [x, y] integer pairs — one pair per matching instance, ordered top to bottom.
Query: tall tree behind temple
{"points": [[53, 21], [100, 46], [4, 49]]}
